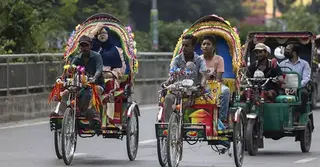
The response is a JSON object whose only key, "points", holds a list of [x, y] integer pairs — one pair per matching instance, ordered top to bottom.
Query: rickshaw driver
{"points": [[187, 58], [92, 62], [215, 64], [264, 64], [300, 66]]}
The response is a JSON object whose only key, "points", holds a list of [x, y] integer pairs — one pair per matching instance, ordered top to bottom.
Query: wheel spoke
{"points": [[69, 136]]}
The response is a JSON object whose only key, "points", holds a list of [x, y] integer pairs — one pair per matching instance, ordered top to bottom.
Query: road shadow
{"points": [[269, 153], [104, 162]]}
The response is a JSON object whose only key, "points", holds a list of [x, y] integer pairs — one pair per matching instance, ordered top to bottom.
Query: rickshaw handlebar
{"points": [[260, 79], [178, 87]]}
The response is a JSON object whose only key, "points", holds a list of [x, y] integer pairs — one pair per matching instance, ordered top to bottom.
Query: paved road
{"points": [[31, 145]]}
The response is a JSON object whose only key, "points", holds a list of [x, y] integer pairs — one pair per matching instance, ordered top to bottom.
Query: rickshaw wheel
{"points": [[132, 134], [68, 136], [251, 138], [306, 138], [239, 141], [57, 144], [162, 151], [173, 154]]}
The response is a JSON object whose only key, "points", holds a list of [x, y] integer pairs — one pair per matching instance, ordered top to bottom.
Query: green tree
{"points": [[300, 19], [31, 26], [169, 33], [143, 40]]}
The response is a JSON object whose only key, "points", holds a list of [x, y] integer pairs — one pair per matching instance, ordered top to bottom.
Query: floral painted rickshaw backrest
{"points": [[122, 37], [227, 44]]}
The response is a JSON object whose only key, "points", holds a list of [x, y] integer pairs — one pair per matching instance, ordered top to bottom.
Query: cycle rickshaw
{"points": [[125, 122], [198, 122]]}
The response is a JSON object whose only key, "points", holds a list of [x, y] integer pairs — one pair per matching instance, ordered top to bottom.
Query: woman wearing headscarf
{"points": [[112, 55]]}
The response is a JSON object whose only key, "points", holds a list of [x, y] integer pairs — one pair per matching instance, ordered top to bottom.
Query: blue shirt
{"points": [[180, 62], [93, 67], [302, 67]]}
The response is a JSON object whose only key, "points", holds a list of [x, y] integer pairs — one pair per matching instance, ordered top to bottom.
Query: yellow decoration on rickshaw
{"points": [[227, 22], [78, 27], [67, 66], [215, 91]]}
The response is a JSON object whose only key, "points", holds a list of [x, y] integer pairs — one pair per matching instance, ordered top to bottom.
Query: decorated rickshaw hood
{"points": [[124, 34]]}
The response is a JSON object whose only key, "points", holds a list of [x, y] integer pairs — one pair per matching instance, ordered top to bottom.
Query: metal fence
{"points": [[35, 73]]}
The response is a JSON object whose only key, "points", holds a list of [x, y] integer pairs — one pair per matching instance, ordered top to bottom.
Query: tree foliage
{"points": [[300, 19], [32, 26]]}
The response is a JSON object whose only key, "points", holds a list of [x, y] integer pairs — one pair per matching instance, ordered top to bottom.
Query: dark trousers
{"points": [[304, 99]]}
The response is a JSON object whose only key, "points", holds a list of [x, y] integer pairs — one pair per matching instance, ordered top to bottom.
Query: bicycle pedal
{"points": [[223, 150]]}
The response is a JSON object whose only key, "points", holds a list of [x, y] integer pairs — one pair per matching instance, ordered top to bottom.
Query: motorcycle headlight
{"points": [[258, 74]]}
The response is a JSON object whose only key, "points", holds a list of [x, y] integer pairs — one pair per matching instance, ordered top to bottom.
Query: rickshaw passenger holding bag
{"points": [[215, 66]]}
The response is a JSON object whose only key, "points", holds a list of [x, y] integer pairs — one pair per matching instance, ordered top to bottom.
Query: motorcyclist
{"points": [[269, 69]]}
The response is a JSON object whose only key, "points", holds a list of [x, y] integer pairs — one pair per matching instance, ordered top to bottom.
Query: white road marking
{"points": [[148, 107], [24, 125], [147, 141], [141, 142], [80, 154], [305, 160]]}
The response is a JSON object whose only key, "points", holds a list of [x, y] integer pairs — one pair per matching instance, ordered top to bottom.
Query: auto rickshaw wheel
{"points": [[306, 138], [239, 141], [252, 141], [57, 144], [162, 151]]}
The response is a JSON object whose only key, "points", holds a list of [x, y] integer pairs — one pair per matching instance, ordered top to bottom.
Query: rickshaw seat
{"points": [[118, 92], [286, 99]]}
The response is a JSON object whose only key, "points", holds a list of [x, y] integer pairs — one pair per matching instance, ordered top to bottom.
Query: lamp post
{"points": [[154, 25]]}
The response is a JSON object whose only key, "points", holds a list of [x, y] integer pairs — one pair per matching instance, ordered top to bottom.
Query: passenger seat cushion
{"points": [[286, 99]]}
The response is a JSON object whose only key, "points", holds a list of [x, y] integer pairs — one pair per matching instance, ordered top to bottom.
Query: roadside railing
{"points": [[36, 73]]}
